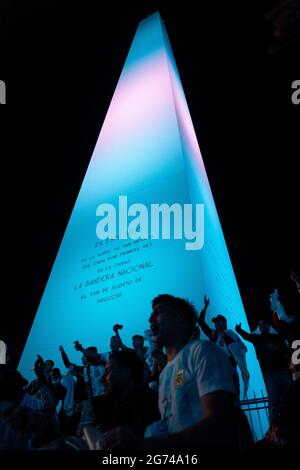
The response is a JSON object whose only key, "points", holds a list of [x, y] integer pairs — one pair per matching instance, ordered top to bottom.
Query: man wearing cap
{"points": [[229, 342]]}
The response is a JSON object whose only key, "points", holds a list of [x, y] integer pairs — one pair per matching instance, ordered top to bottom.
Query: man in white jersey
{"points": [[196, 390]]}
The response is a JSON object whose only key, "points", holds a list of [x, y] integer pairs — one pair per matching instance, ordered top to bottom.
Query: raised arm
{"points": [[201, 320], [116, 329], [246, 336], [88, 353], [65, 359]]}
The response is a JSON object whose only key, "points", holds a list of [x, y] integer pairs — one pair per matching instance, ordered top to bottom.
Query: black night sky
{"points": [[61, 62]]}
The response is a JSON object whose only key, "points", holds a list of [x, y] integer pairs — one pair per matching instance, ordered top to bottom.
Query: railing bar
{"points": [[257, 409], [267, 409], [252, 427]]}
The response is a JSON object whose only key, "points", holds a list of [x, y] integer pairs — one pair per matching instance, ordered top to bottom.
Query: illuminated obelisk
{"points": [[147, 150]]}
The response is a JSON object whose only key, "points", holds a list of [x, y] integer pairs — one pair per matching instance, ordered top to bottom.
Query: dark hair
{"points": [[179, 305], [138, 337], [93, 349], [129, 360], [51, 362], [55, 371]]}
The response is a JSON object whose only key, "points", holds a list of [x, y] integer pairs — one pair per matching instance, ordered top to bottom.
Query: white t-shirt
{"points": [[222, 344], [198, 369], [96, 374]]}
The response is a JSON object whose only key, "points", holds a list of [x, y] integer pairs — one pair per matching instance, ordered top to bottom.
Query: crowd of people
{"points": [[174, 388]]}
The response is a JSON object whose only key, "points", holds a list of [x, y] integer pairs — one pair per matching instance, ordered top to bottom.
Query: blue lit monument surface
{"points": [[147, 150]]}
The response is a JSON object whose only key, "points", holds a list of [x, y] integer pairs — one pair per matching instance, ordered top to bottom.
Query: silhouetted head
{"points": [[220, 323], [264, 326], [137, 342], [114, 344], [88, 360], [48, 365], [124, 368], [55, 375]]}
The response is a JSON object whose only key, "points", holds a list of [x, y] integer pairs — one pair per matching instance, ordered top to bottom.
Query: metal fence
{"points": [[257, 412]]}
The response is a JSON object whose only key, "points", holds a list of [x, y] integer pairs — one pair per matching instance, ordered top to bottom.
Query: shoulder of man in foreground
{"points": [[211, 366]]}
